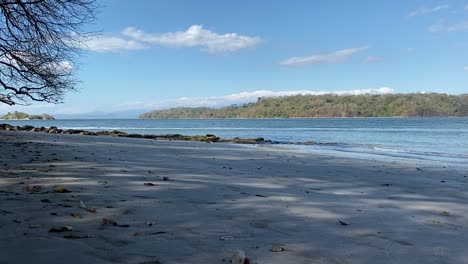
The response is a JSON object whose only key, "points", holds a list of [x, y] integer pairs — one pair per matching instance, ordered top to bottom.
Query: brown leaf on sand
{"points": [[149, 184], [60, 189], [76, 215], [107, 221], [58, 229], [139, 233], [75, 236]]}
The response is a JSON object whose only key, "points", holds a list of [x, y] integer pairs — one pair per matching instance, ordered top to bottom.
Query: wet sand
{"points": [[203, 201]]}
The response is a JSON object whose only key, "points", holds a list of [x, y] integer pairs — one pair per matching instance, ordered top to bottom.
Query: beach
{"points": [[127, 200]]}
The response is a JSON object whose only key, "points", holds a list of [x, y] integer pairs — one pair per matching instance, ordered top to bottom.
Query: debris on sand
{"points": [[33, 188], [60, 189], [91, 210], [76, 215], [107, 221], [150, 222], [343, 223], [59, 229], [142, 233], [75, 236], [277, 248]]}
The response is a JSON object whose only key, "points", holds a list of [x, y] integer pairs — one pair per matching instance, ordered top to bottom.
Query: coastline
{"points": [[275, 118], [210, 138], [417, 140], [219, 198]]}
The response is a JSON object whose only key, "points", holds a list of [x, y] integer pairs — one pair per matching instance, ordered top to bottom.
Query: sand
{"points": [[218, 198]]}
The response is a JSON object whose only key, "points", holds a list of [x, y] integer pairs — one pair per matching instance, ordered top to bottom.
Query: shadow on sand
{"points": [[218, 198]]}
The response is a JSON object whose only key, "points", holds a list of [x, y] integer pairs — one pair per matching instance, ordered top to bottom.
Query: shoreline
{"points": [[261, 118], [275, 118], [210, 138], [319, 148], [208, 200]]}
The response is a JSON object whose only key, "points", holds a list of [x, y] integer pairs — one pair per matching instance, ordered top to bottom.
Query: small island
{"points": [[23, 116]]}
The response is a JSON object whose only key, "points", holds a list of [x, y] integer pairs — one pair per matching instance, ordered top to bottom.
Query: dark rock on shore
{"points": [[115, 133], [237, 140]]}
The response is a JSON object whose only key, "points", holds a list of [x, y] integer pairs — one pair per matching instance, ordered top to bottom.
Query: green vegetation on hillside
{"points": [[388, 105], [23, 116]]}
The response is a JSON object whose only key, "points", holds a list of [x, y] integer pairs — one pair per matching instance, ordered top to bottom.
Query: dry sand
{"points": [[220, 198]]}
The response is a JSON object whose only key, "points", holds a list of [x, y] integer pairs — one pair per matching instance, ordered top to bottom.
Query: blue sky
{"points": [[158, 54]]}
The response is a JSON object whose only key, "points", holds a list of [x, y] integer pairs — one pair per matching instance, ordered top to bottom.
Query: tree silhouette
{"points": [[39, 43]]}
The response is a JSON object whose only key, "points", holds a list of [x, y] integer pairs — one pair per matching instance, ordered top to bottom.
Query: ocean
{"points": [[424, 139]]}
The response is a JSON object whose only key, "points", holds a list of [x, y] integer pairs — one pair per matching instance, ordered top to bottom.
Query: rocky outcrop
{"points": [[115, 133]]}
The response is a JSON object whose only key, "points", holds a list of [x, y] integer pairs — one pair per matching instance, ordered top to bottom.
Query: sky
{"points": [[153, 54]]}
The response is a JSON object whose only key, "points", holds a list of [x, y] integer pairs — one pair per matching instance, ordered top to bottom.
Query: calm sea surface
{"points": [[437, 139]]}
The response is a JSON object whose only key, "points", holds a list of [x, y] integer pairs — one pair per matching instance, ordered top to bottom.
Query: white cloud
{"points": [[427, 10], [441, 26], [195, 36], [132, 38], [113, 44], [328, 58], [370, 59], [65, 65], [62, 67], [465, 68], [240, 98]]}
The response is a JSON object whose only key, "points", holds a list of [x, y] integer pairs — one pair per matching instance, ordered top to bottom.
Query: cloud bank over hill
{"points": [[244, 97], [128, 109]]}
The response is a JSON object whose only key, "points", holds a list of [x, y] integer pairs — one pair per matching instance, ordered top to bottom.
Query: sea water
{"points": [[433, 139]]}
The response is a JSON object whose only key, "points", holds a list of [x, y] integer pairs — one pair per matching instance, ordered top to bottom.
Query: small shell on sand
{"points": [[277, 248]]}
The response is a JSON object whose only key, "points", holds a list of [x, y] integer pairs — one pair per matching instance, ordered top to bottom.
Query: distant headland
{"points": [[329, 105], [23, 116]]}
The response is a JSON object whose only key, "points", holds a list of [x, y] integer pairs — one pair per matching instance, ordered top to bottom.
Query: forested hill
{"points": [[389, 105]]}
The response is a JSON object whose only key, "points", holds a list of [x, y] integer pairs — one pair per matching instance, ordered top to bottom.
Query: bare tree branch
{"points": [[39, 43]]}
